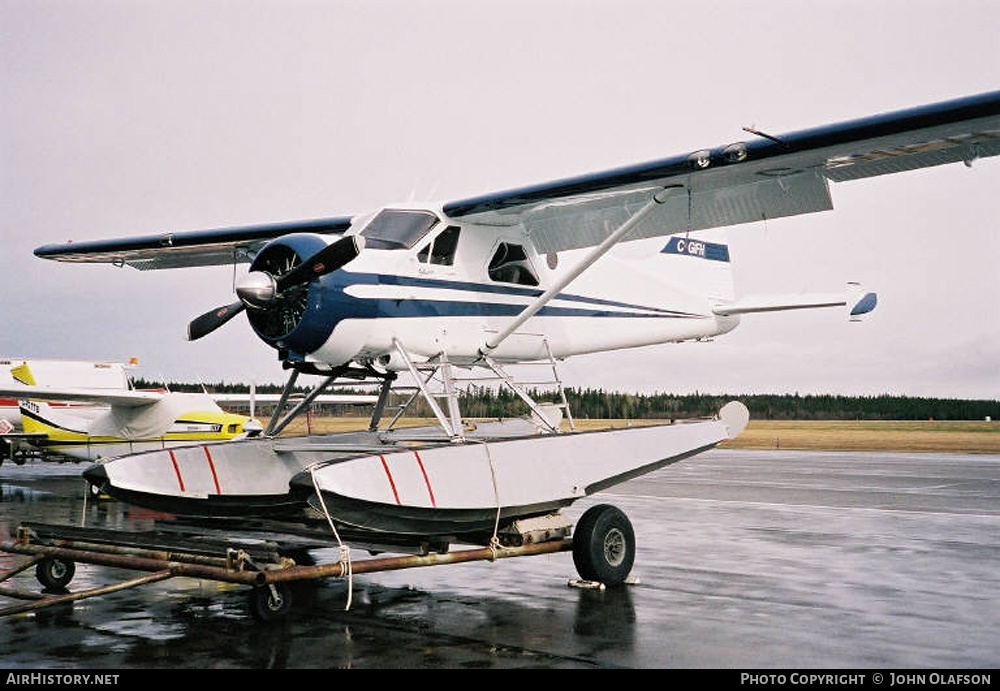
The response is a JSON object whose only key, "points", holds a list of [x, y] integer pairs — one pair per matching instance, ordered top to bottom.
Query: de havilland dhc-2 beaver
{"points": [[476, 285]]}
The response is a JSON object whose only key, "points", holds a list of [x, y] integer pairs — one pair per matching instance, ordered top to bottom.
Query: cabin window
{"points": [[392, 229], [442, 250], [510, 265]]}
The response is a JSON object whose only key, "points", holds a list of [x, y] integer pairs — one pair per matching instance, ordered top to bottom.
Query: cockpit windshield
{"points": [[393, 229]]}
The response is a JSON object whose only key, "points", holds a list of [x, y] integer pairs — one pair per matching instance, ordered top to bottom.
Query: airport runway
{"points": [[746, 559]]}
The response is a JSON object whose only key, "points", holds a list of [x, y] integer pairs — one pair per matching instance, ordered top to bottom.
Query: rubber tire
{"points": [[604, 545], [55, 574], [264, 606]]}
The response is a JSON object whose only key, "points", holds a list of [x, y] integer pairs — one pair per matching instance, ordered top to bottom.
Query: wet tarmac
{"points": [[745, 559]]}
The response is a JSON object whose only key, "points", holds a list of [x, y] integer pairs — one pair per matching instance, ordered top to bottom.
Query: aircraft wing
{"points": [[767, 177], [221, 246], [126, 397]]}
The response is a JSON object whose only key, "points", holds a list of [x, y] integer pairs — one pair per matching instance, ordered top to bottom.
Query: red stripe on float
{"points": [[211, 465], [177, 470], [426, 479], [392, 484]]}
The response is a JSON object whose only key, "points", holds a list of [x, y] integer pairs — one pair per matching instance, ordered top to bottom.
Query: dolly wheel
{"points": [[604, 545], [54, 574], [270, 602]]}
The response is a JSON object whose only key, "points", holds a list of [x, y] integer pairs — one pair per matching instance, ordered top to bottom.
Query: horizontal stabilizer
{"points": [[857, 301]]}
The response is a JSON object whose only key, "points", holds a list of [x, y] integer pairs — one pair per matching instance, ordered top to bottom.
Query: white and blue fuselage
{"points": [[447, 287]]}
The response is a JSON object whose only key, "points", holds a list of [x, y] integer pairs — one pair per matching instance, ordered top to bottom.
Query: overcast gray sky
{"points": [[131, 117]]}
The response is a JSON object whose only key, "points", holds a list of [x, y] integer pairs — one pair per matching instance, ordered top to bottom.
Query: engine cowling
{"points": [[294, 320]]}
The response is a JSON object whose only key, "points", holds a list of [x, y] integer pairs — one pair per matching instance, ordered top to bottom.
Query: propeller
{"points": [[260, 289], [210, 321]]}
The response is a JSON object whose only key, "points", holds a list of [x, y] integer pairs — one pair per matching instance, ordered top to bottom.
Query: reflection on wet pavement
{"points": [[745, 559]]}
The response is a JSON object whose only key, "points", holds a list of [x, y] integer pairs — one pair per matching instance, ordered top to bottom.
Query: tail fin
{"points": [[699, 263], [22, 373]]}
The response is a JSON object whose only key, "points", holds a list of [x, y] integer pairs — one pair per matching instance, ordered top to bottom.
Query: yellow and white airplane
{"points": [[87, 374], [129, 421]]}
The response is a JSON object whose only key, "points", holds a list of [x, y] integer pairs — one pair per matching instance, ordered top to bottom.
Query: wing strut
{"points": [[658, 198]]}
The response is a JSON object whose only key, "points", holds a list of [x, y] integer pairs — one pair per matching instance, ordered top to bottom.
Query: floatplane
{"points": [[478, 285]]}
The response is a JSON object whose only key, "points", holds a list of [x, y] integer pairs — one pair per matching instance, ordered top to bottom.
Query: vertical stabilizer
{"points": [[700, 263], [22, 373]]}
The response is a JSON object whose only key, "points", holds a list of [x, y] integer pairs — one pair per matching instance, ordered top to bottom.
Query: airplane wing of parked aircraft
{"points": [[770, 176], [125, 398]]}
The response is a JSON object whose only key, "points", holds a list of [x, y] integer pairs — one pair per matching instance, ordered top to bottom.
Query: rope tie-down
{"points": [[494, 544], [345, 550]]}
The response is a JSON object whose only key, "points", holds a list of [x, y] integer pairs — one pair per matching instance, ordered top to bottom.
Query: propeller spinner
{"points": [[261, 290]]}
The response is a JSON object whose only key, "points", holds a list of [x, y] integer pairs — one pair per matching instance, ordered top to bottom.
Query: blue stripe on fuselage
{"points": [[498, 289], [331, 304]]}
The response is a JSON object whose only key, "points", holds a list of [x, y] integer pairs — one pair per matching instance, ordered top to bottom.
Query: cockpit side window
{"points": [[393, 229], [442, 249], [510, 265]]}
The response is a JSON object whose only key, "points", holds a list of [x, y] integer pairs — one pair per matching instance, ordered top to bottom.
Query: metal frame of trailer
{"points": [[265, 565]]}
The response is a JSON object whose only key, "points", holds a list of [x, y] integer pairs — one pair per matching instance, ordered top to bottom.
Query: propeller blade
{"points": [[328, 259], [210, 321]]}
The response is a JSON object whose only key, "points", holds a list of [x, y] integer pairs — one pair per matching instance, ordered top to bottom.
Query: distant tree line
{"points": [[486, 402], [591, 403]]}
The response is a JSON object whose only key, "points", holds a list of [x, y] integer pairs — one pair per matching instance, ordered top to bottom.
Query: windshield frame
{"points": [[397, 229]]}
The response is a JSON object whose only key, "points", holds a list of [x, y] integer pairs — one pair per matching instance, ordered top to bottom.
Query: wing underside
{"points": [[744, 182], [585, 222]]}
